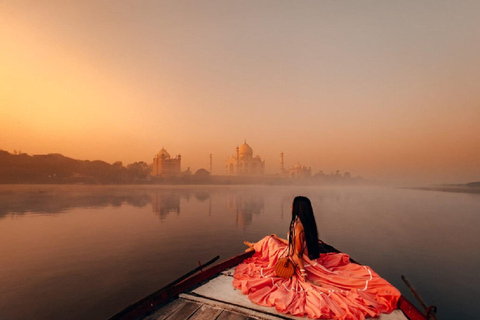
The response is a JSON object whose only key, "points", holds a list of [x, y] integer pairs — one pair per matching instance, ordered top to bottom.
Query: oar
{"points": [[188, 274], [429, 310], [125, 314]]}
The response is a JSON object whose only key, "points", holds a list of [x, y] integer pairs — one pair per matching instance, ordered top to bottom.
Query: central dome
{"points": [[245, 149], [164, 153]]}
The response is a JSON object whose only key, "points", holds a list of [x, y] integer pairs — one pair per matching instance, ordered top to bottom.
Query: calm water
{"points": [[87, 252]]}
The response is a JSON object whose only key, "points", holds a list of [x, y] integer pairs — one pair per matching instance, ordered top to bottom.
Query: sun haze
{"points": [[386, 90]]}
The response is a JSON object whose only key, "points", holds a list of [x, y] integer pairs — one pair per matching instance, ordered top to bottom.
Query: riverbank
{"points": [[472, 187]]}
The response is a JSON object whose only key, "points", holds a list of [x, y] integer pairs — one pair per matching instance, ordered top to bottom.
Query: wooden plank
{"points": [[153, 301], [249, 309], [167, 310], [410, 310], [184, 312], [206, 312], [228, 315]]}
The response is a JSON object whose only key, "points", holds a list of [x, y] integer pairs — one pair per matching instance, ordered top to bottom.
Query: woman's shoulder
{"points": [[298, 226]]}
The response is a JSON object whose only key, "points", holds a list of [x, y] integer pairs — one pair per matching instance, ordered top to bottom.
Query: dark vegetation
{"points": [[21, 168], [56, 168], [473, 184], [471, 187]]}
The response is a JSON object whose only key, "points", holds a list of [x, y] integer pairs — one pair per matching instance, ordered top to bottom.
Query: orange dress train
{"points": [[348, 291]]}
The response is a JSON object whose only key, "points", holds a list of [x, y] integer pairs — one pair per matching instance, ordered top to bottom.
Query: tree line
{"points": [[56, 168]]}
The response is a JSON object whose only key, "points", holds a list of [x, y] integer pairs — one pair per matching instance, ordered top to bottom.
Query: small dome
{"points": [[245, 149], [163, 152]]}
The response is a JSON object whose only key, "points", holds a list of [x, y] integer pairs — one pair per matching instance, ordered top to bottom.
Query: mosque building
{"points": [[244, 164], [164, 165], [297, 171]]}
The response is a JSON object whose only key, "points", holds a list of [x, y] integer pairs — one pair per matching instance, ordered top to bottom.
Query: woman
{"points": [[326, 286]]}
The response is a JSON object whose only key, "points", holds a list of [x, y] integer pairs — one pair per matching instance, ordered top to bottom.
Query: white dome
{"points": [[245, 149], [163, 152]]}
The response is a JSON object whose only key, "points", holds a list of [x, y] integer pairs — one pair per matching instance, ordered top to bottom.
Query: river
{"points": [[87, 252]]}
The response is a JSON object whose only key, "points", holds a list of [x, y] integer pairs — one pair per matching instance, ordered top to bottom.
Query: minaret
{"points": [[237, 162], [179, 163], [211, 163], [282, 169]]}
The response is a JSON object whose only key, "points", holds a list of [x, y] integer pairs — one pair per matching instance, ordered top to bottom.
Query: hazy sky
{"points": [[383, 89]]}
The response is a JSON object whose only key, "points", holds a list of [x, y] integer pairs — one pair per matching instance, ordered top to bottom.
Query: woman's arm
{"points": [[274, 236], [298, 243]]}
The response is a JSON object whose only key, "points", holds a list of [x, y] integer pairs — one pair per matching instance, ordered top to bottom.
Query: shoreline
{"points": [[454, 189]]}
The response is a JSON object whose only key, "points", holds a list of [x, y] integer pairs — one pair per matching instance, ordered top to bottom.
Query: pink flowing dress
{"points": [[348, 291]]}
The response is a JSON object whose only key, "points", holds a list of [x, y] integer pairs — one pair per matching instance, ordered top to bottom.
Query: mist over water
{"points": [[90, 251]]}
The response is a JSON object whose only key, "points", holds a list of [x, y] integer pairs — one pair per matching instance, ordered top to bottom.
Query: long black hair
{"points": [[302, 208]]}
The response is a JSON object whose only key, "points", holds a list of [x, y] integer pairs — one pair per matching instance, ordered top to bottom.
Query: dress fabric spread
{"points": [[347, 291]]}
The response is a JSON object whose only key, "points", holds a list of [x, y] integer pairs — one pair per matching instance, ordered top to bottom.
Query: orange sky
{"points": [[383, 90]]}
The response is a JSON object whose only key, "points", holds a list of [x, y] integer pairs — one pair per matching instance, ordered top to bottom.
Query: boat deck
{"points": [[218, 299]]}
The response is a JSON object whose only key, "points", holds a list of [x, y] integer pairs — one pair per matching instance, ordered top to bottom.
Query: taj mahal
{"points": [[243, 163], [165, 165]]}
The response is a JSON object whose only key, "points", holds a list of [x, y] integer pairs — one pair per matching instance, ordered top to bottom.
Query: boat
{"points": [[208, 294]]}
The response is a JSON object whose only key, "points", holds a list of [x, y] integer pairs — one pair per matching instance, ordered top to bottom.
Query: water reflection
{"points": [[202, 196], [52, 199], [56, 199], [165, 203], [244, 206], [112, 238]]}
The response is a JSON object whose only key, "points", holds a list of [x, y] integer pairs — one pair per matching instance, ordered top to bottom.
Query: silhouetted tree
{"points": [[118, 164], [139, 170], [202, 173]]}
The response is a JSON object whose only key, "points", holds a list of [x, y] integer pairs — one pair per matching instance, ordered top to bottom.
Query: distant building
{"points": [[244, 164], [164, 165], [298, 171]]}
